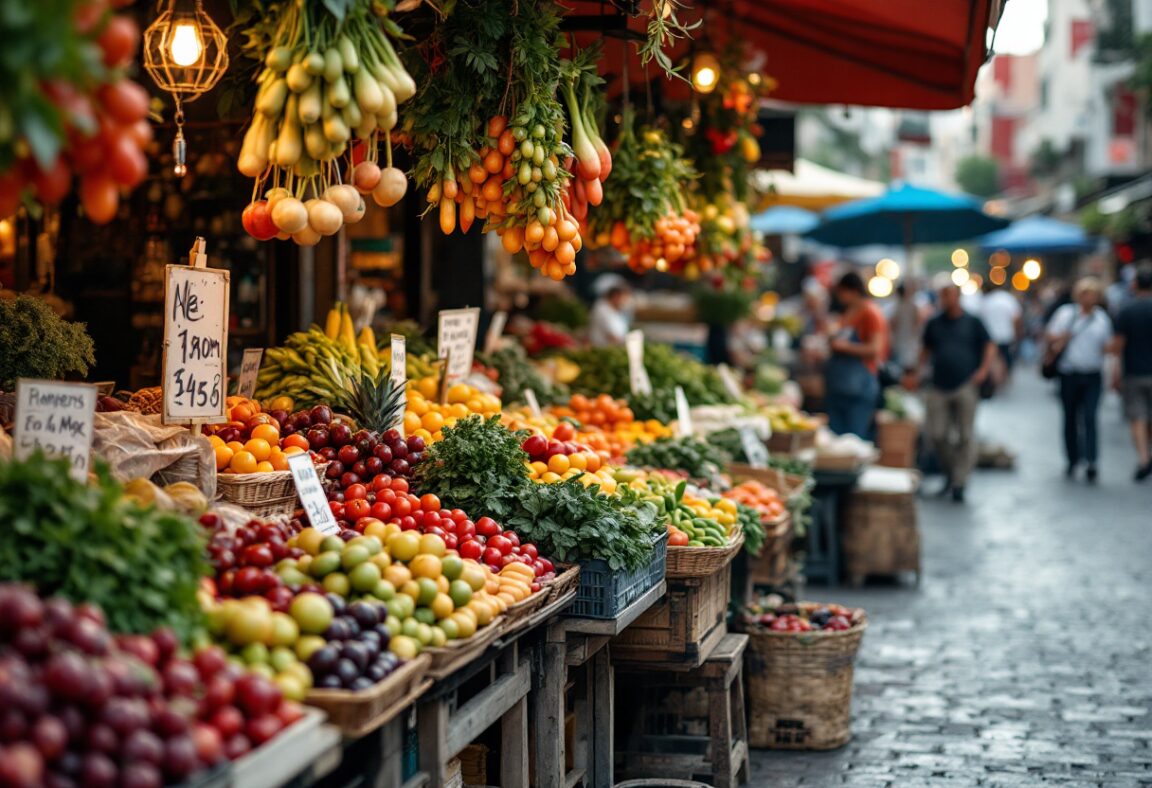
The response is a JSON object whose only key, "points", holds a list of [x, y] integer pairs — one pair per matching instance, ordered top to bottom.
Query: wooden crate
{"points": [[896, 441], [791, 442], [879, 535], [679, 631]]}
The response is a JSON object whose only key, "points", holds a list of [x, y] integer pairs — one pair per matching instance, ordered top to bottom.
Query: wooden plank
{"points": [[614, 626], [603, 692], [487, 707], [548, 711], [432, 726], [514, 746], [306, 747], [392, 751], [573, 777]]}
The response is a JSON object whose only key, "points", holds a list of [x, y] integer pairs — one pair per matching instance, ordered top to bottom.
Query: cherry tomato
{"points": [[119, 40], [126, 101], [52, 185], [381, 482], [400, 484], [355, 492], [387, 496], [429, 502], [402, 506], [337, 509], [356, 509], [382, 511], [458, 515], [418, 516], [434, 518], [407, 523], [486, 526], [465, 529], [437, 530], [512, 537], [450, 541], [500, 543], [470, 549], [530, 551], [493, 557], [547, 565]]}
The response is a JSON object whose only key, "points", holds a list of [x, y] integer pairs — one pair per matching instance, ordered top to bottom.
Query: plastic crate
{"points": [[604, 593]]}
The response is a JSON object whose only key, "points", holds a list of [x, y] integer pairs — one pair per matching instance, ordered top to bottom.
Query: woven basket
{"points": [[787, 484], [254, 489], [879, 534], [701, 561], [771, 567], [566, 582], [518, 614], [448, 659], [800, 686], [359, 713]]}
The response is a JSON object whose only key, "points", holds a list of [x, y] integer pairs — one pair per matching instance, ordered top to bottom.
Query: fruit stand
{"points": [[349, 555]]}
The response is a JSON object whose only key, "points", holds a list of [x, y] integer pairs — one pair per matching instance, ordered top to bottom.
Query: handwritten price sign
{"points": [[456, 341], [195, 344], [249, 371], [57, 419], [311, 492]]}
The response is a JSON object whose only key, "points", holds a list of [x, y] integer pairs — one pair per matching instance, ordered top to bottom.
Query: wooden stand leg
{"points": [[603, 692], [548, 710], [740, 726], [433, 729], [720, 731], [514, 746], [392, 754]]}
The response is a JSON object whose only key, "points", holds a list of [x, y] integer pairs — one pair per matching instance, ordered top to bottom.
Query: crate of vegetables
{"points": [[771, 566], [604, 592], [799, 670]]}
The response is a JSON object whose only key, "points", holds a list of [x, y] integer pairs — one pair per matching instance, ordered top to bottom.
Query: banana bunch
{"points": [[313, 365]]}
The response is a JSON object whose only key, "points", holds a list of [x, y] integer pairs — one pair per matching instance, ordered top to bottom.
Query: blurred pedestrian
{"points": [[1002, 315], [610, 316], [905, 324], [1079, 335], [857, 345], [961, 353], [1134, 374]]}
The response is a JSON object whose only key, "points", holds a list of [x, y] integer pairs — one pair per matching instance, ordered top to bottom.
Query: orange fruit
{"points": [[242, 412], [432, 421], [412, 422], [267, 432], [215, 440], [295, 440], [235, 446], [259, 448], [292, 451], [223, 457], [278, 460], [578, 461], [243, 462], [559, 463], [264, 467], [425, 565]]}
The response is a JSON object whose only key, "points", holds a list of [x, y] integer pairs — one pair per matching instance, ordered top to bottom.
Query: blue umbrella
{"points": [[905, 215], [784, 220], [1039, 234]]}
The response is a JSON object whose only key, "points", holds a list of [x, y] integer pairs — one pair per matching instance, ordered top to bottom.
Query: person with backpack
{"points": [[1079, 336]]}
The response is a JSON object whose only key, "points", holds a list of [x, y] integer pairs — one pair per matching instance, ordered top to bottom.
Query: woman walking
{"points": [[1078, 337], [857, 347]]}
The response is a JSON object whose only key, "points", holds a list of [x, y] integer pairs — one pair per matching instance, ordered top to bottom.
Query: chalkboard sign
{"points": [[195, 344], [57, 419]]}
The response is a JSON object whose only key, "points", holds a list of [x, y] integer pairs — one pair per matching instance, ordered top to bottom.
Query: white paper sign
{"points": [[495, 330], [456, 341], [195, 344], [249, 370], [399, 373], [637, 375], [731, 384], [533, 403], [683, 414], [57, 419], [754, 448], [311, 493]]}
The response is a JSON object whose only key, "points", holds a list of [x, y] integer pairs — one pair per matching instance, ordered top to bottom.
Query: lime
{"points": [[369, 543], [331, 544], [354, 555], [324, 564], [452, 565], [364, 577], [337, 583], [428, 590], [384, 591], [460, 592], [401, 607], [424, 615], [410, 627], [450, 628], [424, 634], [439, 638], [255, 654], [280, 658]]}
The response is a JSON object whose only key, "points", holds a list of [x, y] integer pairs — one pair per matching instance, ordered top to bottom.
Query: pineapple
{"points": [[373, 401]]}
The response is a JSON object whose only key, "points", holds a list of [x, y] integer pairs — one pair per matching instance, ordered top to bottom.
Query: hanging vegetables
{"points": [[330, 84], [584, 100], [644, 213]]}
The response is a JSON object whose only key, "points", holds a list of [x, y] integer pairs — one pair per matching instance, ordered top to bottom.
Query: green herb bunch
{"points": [[35, 342], [517, 374], [695, 457], [478, 466], [89, 543]]}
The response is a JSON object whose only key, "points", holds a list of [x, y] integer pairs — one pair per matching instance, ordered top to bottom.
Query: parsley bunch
{"points": [[35, 342], [478, 467], [91, 544]]}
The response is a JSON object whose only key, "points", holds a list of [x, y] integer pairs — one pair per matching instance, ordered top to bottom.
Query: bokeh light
{"points": [[959, 258], [880, 286]]}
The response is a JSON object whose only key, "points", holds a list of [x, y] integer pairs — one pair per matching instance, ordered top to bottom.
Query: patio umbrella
{"points": [[811, 186], [906, 215], [784, 220], [1039, 234]]}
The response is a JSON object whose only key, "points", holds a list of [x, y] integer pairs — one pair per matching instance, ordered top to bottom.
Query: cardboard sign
{"points": [[495, 330], [456, 341], [195, 344], [249, 370], [399, 372], [637, 375], [731, 384], [533, 403], [683, 414], [57, 419], [754, 448], [311, 493]]}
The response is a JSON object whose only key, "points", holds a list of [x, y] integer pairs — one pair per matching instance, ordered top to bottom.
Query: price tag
{"points": [[495, 330], [456, 341], [195, 344], [249, 371], [399, 372], [637, 375], [731, 384], [533, 403], [683, 414], [57, 419], [754, 448], [311, 493]]}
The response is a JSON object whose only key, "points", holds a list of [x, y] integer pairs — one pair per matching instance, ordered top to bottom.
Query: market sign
{"points": [[495, 330], [456, 341], [195, 342], [249, 371], [399, 373], [637, 375], [731, 384], [532, 402], [683, 414], [57, 419], [754, 448], [311, 493]]}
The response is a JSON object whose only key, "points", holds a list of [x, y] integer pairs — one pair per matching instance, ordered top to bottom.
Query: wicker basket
{"points": [[896, 440], [791, 442], [787, 484], [256, 490], [879, 534], [701, 561], [773, 566], [566, 582], [448, 659], [800, 686], [359, 713]]}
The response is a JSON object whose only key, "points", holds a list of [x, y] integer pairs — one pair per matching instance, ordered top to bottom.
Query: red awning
{"points": [[890, 53]]}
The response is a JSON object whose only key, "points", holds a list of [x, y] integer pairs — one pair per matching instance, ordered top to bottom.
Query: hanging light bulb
{"points": [[186, 47], [705, 71]]}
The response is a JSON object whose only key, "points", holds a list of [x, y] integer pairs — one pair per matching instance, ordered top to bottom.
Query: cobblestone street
{"points": [[1025, 657]]}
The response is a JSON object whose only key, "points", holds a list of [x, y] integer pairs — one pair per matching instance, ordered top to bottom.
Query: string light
{"points": [[705, 71]]}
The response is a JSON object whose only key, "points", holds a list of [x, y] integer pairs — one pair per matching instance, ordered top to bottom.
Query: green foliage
{"points": [[978, 175], [722, 306], [564, 311], [35, 342], [517, 374], [695, 457], [478, 466], [749, 522], [90, 544]]}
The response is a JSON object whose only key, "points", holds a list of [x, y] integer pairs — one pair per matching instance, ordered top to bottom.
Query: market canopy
{"points": [[811, 186], [905, 215], [784, 220], [1039, 234]]}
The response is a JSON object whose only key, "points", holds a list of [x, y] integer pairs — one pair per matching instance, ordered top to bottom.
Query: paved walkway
{"points": [[1025, 657]]}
